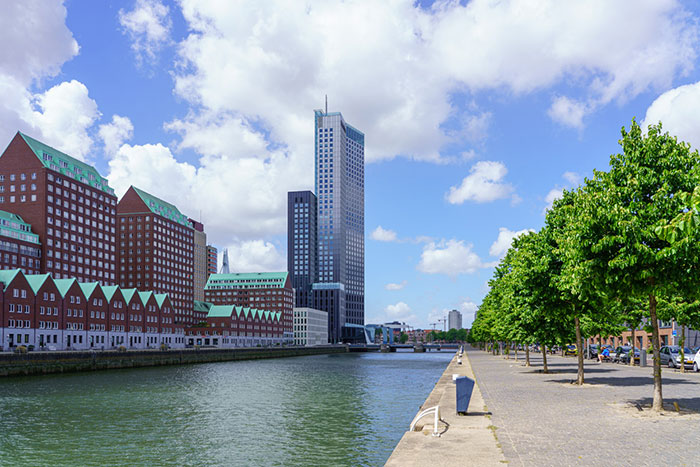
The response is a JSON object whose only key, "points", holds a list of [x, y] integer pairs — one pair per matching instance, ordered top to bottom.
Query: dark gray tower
{"points": [[302, 245]]}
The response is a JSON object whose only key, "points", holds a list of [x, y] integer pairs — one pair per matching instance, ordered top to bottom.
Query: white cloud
{"points": [[148, 26], [677, 110], [568, 112], [64, 114], [115, 133], [573, 178], [483, 184], [246, 195], [553, 195], [383, 235], [504, 241], [255, 256], [451, 257], [392, 286], [399, 312]]}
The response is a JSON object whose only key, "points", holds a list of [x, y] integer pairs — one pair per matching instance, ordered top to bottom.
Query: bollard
{"points": [[642, 357], [459, 361], [464, 388]]}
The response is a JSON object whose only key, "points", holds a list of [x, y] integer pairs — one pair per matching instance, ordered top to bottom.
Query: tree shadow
{"points": [[624, 381], [692, 403]]}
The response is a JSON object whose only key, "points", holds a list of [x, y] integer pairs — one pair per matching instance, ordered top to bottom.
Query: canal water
{"points": [[344, 409]]}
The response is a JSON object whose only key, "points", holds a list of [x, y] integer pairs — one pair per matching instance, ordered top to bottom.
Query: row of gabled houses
{"points": [[39, 312]]}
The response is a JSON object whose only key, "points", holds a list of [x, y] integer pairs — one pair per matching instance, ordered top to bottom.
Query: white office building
{"points": [[454, 319], [310, 327]]}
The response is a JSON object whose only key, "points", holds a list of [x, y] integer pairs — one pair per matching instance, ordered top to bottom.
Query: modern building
{"points": [[340, 188], [69, 205], [19, 247], [156, 250], [201, 260], [211, 260], [302, 262], [271, 291], [41, 312], [454, 320], [310, 326]]}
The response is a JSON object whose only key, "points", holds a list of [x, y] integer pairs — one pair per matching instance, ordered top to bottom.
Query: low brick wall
{"points": [[39, 363]]}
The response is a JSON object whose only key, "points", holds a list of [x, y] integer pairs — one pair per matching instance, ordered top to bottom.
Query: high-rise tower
{"points": [[340, 191]]}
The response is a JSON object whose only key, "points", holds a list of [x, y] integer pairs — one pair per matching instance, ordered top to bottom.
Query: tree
{"points": [[638, 194], [403, 338]]}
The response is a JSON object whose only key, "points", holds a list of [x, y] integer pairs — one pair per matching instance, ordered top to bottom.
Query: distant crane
{"points": [[444, 323]]}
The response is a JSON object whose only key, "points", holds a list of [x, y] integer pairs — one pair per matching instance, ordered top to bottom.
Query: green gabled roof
{"points": [[67, 165], [162, 208], [13, 226], [8, 275], [247, 279], [36, 281], [63, 285], [88, 288], [109, 291], [128, 294], [145, 296], [160, 298], [202, 306], [238, 309], [220, 311], [246, 311], [267, 314]]}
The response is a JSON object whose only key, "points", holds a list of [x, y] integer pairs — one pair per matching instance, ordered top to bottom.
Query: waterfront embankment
{"points": [[38, 363], [465, 439]]}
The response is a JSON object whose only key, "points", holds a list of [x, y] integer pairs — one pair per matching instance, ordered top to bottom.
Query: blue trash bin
{"points": [[465, 386]]}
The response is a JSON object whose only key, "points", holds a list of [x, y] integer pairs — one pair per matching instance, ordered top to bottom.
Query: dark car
{"points": [[625, 357]]}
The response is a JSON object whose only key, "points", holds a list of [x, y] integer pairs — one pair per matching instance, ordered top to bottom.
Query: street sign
{"points": [[675, 333]]}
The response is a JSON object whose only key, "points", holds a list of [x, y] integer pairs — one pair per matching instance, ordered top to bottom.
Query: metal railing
{"points": [[434, 410]]}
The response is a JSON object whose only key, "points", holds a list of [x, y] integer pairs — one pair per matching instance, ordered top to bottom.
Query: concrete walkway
{"points": [[544, 420], [466, 439]]}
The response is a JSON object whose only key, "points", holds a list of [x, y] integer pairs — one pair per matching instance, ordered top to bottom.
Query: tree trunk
{"points": [[682, 342], [633, 344], [493, 347], [579, 351], [516, 352], [527, 355], [544, 359], [658, 404]]}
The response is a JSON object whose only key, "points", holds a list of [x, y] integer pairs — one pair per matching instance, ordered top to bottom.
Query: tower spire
{"points": [[326, 104]]}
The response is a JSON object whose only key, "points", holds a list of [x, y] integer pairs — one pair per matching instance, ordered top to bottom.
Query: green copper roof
{"points": [[70, 167], [162, 208], [13, 226], [8, 275], [247, 280], [36, 281], [63, 285], [88, 288], [109, 291], [128, 294], [145, 296], [160, 298], [202, 306], [220, 311]]}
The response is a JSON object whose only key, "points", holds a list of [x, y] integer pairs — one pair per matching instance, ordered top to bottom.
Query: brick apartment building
{"points": [[69, 206], [19, 247], [156, 250], [212, 253], [263, 290]]}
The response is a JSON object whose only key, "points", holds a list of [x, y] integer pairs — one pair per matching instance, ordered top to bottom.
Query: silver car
{"points": [[671, 355]]}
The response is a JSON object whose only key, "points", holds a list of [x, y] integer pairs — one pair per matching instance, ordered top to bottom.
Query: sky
{"points": [[476, 115]]}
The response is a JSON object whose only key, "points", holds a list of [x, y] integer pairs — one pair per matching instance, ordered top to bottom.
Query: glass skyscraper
{"points": [[340, 191], [335, 269]]}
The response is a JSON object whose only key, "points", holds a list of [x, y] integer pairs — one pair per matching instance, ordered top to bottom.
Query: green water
{"points": [[348, 409]]}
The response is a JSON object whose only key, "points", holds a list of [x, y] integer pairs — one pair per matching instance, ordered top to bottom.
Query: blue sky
{"points": [[476, 114]]}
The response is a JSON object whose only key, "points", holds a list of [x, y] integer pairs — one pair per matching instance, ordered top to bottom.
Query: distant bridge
{"points": [[395, 347]]}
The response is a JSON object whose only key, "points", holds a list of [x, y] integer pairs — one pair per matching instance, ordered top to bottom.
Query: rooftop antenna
{"points": [[326, 104], [224, 265]]}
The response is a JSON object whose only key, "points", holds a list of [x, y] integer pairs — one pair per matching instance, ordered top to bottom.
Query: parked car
{"points": [[570, 350], [593, 351], [616, 355], [671, 355], [625, 357], [696, 361]]}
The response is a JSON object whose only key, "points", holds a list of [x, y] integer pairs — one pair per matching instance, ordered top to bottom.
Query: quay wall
{"points": [[40, 363]]}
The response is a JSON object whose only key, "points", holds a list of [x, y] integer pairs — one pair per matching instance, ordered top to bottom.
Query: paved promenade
{"points": [[543, 420], [466, 440]]}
